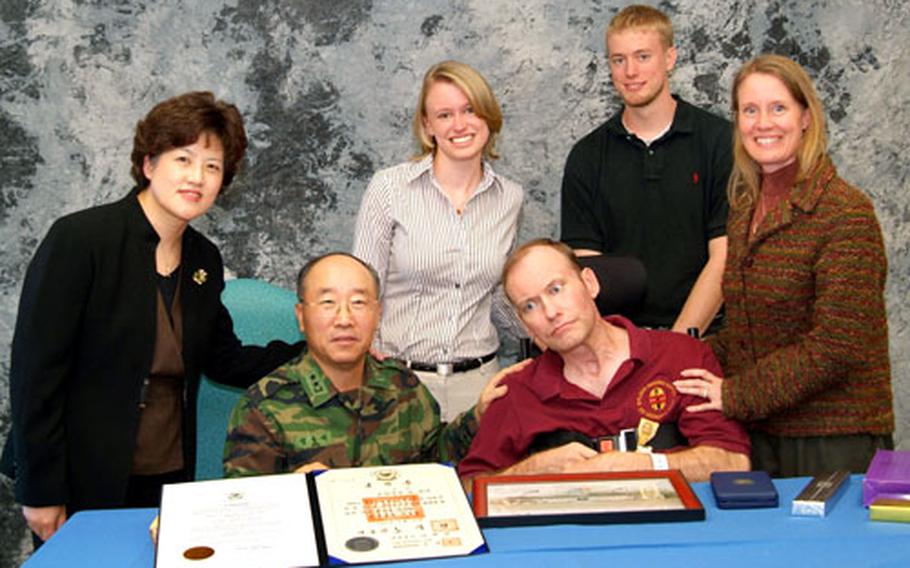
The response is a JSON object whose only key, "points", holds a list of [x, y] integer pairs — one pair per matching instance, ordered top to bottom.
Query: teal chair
{"points": [[261, 312]]}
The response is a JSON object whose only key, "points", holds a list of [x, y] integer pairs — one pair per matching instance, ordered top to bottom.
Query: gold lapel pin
{"points": [[200, 276]]}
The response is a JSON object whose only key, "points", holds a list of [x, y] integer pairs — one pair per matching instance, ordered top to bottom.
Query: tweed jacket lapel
{"points": [[803, 198]]}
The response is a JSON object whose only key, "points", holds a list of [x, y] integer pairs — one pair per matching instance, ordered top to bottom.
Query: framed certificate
{"points": [[585, 498]]}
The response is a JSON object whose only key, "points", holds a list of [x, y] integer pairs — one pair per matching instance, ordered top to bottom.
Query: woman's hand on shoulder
{"points": [[703, 383]]}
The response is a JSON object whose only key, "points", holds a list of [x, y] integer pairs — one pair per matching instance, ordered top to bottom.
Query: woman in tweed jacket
{"points": [[805, 347]]}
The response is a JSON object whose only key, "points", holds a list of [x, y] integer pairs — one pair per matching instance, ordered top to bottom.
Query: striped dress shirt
{"points": [[439, 271]]}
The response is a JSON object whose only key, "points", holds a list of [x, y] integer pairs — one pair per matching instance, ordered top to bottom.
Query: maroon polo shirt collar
{"points": [[550, 364]]}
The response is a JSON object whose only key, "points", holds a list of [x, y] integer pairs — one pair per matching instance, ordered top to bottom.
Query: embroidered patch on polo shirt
{"points": [[655, 399]]}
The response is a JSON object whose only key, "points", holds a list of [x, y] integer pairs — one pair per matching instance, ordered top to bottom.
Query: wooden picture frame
{"points": [[585, 498]]}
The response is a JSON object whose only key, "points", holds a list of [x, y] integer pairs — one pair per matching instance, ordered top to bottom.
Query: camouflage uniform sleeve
{"points": [[447, 442], [252, 446]]}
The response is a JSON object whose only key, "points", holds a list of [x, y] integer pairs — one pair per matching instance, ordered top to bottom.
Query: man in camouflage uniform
{"points": [[336, 405]]}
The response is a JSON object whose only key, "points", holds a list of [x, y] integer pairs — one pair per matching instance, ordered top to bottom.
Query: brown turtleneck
{"points": [[774, 188]]}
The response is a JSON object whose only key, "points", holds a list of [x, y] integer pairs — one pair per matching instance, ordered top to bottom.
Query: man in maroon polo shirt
{"points": [[601, 381]]}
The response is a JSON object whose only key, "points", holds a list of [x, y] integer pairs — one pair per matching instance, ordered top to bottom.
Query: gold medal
{"points": [[646, 431]]}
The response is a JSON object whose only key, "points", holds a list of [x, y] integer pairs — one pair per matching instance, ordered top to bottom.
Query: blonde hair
{"points": [[638, 16], [478, 93], [745, 180], [525, 249]]}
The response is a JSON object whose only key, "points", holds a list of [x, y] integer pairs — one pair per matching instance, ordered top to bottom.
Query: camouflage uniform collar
{"points": [[320, 390]]}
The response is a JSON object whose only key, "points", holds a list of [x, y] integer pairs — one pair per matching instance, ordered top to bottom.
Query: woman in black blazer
{"points": [[120, 313]]}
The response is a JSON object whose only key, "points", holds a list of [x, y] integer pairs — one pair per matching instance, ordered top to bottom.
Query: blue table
{"points": [[729, 538]]}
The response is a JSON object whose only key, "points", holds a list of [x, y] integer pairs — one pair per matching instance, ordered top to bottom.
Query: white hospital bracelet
{"points": [[659, 462]]}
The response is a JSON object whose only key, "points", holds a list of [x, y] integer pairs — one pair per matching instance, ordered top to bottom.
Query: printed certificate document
{"points": [[379, 514], [333, 517], [251, 521]]}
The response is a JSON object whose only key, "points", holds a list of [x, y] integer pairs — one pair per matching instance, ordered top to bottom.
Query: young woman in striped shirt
{"points": [[438, 229]]}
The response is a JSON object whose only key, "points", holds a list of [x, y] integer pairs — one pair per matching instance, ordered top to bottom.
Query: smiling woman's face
{"points": [[451, 120], [770, 121], [184, 182]]}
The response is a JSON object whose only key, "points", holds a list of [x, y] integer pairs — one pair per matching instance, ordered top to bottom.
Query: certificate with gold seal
{"points": [[338, 516], [252, 521]]}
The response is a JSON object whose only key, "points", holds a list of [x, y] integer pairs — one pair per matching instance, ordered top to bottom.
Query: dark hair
{"points": [[180, 121], [301, 276]]}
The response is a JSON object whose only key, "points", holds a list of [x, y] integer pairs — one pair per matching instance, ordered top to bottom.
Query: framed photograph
{"points": [[585, 498]]}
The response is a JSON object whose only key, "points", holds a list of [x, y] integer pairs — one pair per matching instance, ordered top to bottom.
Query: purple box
{"points": [[888, 476]]}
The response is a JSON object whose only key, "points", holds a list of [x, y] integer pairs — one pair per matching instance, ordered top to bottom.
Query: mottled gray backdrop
{"points": [[328, 88]]}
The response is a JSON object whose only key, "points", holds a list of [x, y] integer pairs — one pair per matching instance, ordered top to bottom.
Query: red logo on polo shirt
{"points": [[694, 178], [655, 399]]}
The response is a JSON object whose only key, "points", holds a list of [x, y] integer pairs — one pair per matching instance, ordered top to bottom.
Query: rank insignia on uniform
{"points": [[200, 276], [655, 399]]}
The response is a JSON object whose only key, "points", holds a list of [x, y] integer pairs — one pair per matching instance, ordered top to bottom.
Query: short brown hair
{"points": [[638, 16], [478, 93], [180, 121], [745, 179], [522, 251]]}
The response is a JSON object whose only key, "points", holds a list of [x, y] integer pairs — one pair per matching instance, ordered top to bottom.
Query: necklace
{"points": [[167, 257], [166, 267], [169, 271]]}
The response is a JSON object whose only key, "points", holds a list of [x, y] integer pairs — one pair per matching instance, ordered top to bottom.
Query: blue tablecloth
{"points": [[753, 537]]}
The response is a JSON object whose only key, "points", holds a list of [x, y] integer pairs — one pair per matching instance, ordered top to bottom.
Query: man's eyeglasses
{"points": [[332, 307]]}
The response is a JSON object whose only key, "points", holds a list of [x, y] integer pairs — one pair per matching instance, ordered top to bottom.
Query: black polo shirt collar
{"points": [[683, 122]]}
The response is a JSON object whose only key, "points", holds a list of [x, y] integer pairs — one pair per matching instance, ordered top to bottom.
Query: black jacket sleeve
{"points": [[51, 311]]}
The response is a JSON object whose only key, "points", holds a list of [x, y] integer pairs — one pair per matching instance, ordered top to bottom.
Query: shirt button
{"points": [[650, 152], [748, 262], [458, 285]]}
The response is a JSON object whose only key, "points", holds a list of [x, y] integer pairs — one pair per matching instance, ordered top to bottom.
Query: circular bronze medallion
{"points": [[362, 543], [198, 552]]}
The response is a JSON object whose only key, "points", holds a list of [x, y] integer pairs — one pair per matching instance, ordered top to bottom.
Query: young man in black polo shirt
{"points": [[651, 181]]}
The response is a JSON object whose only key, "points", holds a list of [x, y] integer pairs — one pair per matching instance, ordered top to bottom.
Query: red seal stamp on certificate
{"points": [[655, 399], [392, 508]]}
